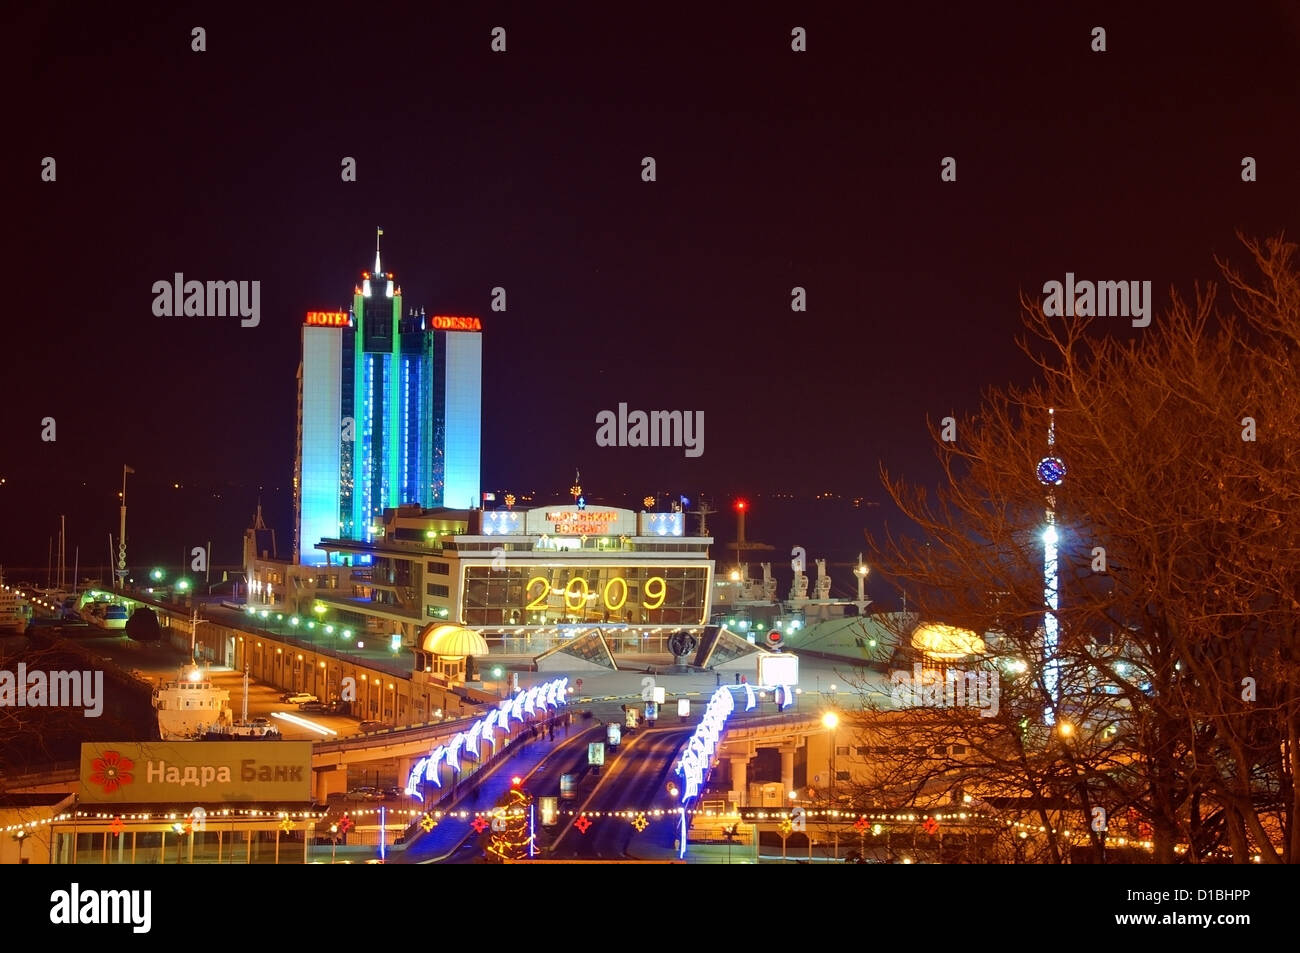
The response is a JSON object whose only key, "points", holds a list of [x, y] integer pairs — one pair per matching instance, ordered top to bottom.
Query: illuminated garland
{"points": [[519, 814]]}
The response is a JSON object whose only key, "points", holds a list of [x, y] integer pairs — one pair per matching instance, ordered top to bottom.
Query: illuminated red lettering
{"points": [[327, 319], [447, 322]]}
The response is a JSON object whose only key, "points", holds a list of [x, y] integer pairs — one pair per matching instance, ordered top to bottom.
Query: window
{"points": [[439, 569], [434, 589], [958, 749], [842, 750], [864, 750], [841, 775]]}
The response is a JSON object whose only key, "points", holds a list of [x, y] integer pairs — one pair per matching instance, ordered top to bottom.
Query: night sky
{"points": [[522, 170]]}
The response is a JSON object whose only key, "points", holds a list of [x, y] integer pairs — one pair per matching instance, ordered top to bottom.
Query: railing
{"points": [[399, 734], [53, 774], [461, 782]]}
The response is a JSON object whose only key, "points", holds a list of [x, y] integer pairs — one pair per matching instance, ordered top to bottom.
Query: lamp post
{"points": [[1050, 472], [121, 535], [194, 628], [830, 720], [21, 837], [334, 841]]}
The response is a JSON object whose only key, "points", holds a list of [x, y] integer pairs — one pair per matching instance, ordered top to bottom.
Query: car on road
{"points": [[297, 698], [317, 708], [372, 726], [363, 794]]}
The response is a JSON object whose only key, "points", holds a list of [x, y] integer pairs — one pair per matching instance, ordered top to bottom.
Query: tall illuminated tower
{"points": [[389, 412], [1051, 472]]}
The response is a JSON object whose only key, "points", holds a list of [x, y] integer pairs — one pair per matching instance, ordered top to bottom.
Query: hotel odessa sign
{"points": [[164, 772]]}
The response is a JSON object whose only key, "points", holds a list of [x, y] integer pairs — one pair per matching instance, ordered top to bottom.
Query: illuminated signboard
{"points": [[327, 319], [448, 322], [502, 521], [581, 522], [664, 524], [592, 591], [780, 669], [189, 771]]}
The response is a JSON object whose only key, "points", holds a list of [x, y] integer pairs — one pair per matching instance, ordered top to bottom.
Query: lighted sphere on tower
{"points": [[1051, 471]]}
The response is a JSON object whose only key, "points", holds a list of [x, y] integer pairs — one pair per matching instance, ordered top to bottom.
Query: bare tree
{"points": [[1171, 699]]}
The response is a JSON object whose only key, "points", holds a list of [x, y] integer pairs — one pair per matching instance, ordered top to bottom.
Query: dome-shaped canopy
{"points": [[452, 641], [946, 641]]}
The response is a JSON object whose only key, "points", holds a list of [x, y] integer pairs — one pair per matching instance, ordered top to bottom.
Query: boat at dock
{"points": [[190, 706]]}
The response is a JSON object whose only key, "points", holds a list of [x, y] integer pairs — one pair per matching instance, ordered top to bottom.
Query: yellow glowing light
{"points": [[946, 641]]}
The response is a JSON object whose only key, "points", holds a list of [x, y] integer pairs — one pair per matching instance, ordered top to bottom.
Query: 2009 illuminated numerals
{"points": [[569, 593], [577, 593], [657, 596], [540, 602], [610, 604]]}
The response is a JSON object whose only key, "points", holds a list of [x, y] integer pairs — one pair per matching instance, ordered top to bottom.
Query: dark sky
{"points": [[523, 170]]}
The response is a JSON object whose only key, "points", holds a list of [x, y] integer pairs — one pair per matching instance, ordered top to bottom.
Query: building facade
{"points": [[389, 413], [526, 579]]}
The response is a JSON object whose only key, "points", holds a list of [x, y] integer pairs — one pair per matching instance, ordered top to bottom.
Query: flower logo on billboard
{"points": [[112, 771]]}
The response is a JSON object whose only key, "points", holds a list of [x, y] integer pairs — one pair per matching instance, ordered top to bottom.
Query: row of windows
{"points": [[440, 569], [434, 589], [903, 751]]}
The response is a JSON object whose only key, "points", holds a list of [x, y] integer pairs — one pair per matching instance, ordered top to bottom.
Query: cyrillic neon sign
{"points": [[327, 319], [448, 322]]}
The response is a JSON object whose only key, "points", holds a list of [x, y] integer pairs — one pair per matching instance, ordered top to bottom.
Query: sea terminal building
{"points": [[527, 579]]}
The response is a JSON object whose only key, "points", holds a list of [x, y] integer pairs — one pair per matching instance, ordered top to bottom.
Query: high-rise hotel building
{"points": [[389, 412]]}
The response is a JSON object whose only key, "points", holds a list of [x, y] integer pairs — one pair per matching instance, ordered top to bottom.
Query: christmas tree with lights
{"points": [[512, 827]]}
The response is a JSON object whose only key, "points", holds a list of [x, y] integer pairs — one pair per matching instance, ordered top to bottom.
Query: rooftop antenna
{"points": [[379, 233], [703, 512]]}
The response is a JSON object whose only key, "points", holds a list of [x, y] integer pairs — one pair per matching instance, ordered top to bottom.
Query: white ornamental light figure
{"points": [[562, 691], [530, 699], [549, 699], [517, 709], [503, 713], [489, 723], [472, 740], [453, 751], [434, 771], [691, 774], [414, 778]]}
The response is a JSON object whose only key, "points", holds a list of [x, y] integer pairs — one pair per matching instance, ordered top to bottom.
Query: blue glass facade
{"points": [[389, 413]]}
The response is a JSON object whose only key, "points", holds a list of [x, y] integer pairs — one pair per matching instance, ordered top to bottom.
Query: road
{"points": [[637, 781]]}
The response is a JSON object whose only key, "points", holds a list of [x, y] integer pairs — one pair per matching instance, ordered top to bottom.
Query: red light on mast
{"points": [[741, 506]]}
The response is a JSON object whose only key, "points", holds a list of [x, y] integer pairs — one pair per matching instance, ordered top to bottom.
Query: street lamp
{"points": [[830, 720], [20, 836], [334, 841]]}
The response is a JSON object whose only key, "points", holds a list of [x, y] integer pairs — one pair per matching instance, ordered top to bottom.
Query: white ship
{"points": [[14, 611], [191, 706], [259, 729]]}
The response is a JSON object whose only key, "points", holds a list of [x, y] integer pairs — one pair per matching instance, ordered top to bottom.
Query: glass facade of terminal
{"points": [[594, 593]]}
